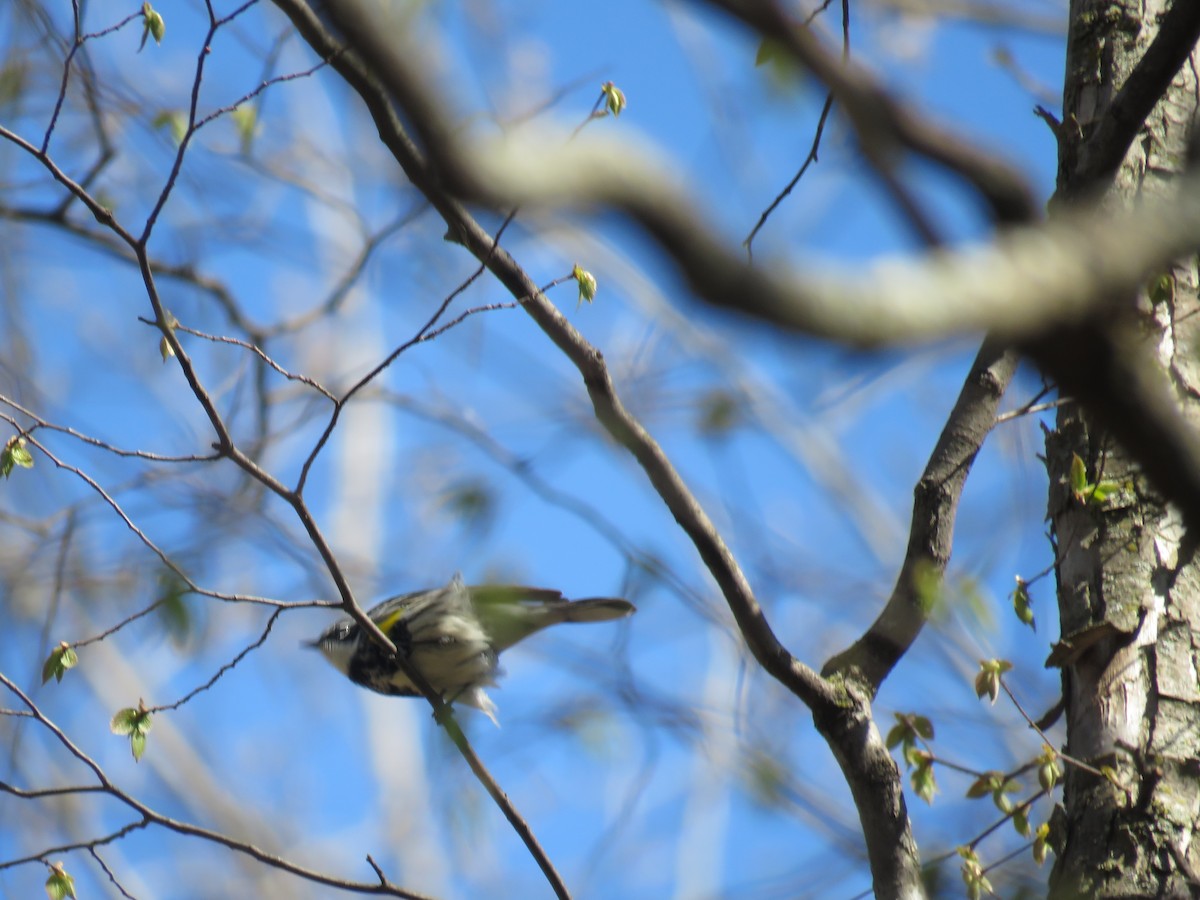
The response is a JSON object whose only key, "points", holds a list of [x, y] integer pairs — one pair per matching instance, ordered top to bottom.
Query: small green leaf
{"points": [[152, 25], [158, 27], [768, 51], [781, 68], [14, 79], [614, 98], [245, 120], [174, 121], [587, 283], [1161, 289], [165, 350], [720, 413], [14, 455], [1078, 476], [1102, 491], [473, 502], [1021, 605], [172, 607], [61, 658], [51, 668], [988, 679], [987, 683], [122, 723], [136, 723], [908, 729], [1050, 769], [1047, 777], [767, 781], [924, 783], [984, 785], [1000, 795], [1020, 820], [1041, 843], [972, 874], [59, 885]]}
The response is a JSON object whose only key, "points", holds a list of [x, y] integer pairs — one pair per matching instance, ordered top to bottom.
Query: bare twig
{"points": [[225, 668], [151, 817]]}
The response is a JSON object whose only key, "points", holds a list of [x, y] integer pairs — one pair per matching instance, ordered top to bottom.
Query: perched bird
{"points": [[453, 636]]}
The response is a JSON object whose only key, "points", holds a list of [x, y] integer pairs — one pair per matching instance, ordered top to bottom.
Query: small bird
{"points": [[453, 636]]}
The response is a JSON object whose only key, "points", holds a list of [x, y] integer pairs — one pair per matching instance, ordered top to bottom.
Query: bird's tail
{"points": [[595, 609], [511, 614]]}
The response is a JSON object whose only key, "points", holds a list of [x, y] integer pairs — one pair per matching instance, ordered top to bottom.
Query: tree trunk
{"points": [[1128, 583]]}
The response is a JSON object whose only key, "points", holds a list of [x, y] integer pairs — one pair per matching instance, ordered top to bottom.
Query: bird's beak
{"points": [[312, 645]]}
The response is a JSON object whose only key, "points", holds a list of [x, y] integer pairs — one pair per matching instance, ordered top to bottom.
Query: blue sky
{"points": [[629, 747]]}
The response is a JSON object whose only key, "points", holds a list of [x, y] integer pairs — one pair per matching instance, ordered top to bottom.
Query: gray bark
{"points": [[1128, 583]]}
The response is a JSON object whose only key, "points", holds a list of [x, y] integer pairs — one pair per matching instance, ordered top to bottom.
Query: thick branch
{"points": [[885, 127], [1103, 150], [1025, 282], [1029, 282], [935, 506], [766, 647], [842, 713]]}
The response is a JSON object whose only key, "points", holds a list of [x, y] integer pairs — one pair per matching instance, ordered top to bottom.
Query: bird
{"points": [[453, 636]]}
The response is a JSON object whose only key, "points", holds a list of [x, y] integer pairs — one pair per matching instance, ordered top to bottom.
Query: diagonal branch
{"points": [[360, 73], [884, 126], [1101, 153], [1027, 281], [1032, 285], [226, 446], [935, 505], [150, 816]]}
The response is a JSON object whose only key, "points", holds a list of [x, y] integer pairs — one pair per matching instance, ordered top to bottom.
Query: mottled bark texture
{"points": [[1128, 582]]}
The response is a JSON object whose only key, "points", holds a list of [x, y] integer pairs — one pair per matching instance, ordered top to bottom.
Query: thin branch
{"points": [[76, 46], [380, 65], [262, 86], [884, 125], [190, 131], [748, 243], [1025, 282], [423, 333], [257, 351], [608, 408], [1030, 409], [88, 439], [156, 550], [225, 668], [1078, 763], [39, 793], [150, 816], [79, 845], [109, 872]]}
